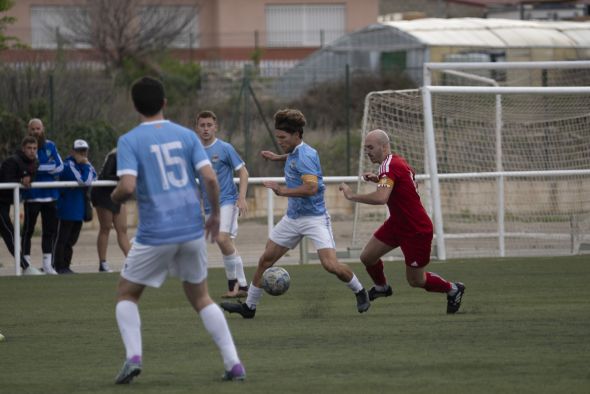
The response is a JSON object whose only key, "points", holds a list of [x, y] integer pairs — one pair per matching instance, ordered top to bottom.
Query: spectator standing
{"points": [[226, 161], [20, 167], [42, 200], [71, 206], [109, 213]]}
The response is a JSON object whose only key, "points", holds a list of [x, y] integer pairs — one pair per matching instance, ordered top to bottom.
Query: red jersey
{"points": [[407, 215]]}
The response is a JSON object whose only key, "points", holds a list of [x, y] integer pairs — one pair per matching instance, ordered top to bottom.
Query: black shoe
{"points": [[65, 271], [374, 293], [362, 301], [454, 301], [241, 308]]}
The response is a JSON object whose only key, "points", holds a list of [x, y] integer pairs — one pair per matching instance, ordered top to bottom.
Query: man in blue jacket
{"points": [[42, 201], [71, 205]]}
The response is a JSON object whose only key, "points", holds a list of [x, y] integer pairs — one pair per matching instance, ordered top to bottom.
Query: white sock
{"points": [[47, 257], [27, 258], [229, 262], [240, 275], [354, 284], [453, 290], [254, 294], [129, 323], [216, 325]]}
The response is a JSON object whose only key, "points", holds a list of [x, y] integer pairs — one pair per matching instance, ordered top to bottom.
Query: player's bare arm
{"points": [[269, 155], [212, 188], [125, 189], [307, 189], [378, 197], [241, 203]]}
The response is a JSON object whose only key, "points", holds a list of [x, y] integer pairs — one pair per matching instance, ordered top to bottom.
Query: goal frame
{"points": [[433, 176]]}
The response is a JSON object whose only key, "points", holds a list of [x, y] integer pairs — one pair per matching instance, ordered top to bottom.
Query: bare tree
{"points": [[130, 29]]}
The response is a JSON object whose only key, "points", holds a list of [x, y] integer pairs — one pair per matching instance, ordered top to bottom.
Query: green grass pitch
{"points": [[524, 327]]}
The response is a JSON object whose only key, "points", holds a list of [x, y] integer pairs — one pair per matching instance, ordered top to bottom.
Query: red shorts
{"points": [[416, 247]]}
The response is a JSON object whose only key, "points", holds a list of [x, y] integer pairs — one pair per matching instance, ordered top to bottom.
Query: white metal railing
{"points": [[60, 184], [270, 197]]}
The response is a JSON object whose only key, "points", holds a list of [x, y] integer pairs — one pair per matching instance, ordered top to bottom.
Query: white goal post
{"points": [[515, 159]]}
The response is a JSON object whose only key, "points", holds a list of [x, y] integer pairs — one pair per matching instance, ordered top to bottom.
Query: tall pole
{"points": [[51, 103], [347, 112], [246, 115], [433, 169]]}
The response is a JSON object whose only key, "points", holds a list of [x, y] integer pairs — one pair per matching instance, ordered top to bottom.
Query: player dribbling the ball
{"points": [[306, 214]]}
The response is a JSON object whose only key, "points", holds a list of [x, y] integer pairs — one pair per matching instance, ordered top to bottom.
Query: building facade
{"points": [[218, 29]]}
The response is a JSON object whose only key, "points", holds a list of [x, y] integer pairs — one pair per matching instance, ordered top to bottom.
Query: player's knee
{"points": [[367, 260], [334, 267], [415, 282]]}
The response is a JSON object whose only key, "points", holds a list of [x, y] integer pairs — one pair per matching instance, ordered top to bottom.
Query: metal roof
{"points": [[496, 33]]}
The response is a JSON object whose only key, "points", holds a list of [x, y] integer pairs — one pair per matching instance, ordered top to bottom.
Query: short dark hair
{"points": [[148, 96], [207, 114], [290, 121], [29, 139]]}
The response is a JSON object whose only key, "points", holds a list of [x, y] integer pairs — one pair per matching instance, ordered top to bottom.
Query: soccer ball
{"points": [[276, 281]]}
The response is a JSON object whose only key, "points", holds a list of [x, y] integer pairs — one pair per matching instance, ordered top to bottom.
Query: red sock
{"points": [[376, 273], [436, 284]]}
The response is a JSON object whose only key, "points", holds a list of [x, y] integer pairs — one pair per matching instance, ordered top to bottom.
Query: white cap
{"points": [[80, 144]]}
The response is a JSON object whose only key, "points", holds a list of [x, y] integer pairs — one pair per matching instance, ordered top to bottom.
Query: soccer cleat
{"points": [[103, 266], [48, 268], [32, 271], [65, 271], [237, 292], [242, 292], [374, 293], [362, 301], [454, 301], [240, 308], [131, 369], [236, 373]]}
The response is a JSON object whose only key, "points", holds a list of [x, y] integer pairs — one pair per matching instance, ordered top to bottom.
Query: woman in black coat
{"points": [[109, 213]]}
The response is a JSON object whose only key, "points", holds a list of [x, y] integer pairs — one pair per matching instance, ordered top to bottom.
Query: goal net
{"points": [[512, 170]]}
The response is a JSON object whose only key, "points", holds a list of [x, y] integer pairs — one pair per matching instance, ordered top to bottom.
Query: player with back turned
{"points": [[158, 161], [407, 227]]}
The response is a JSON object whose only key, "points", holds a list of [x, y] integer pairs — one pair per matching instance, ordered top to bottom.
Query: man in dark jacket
{"points": [[20, 167], [71, 206]]}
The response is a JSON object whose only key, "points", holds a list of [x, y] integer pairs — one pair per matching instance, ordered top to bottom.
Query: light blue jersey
{"points": [[165, 158], [304, 160], [225, 161]]}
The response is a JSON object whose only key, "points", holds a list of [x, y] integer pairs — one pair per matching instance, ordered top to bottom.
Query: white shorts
{"points": [[228, 219], [288, 232], [150, 265]]}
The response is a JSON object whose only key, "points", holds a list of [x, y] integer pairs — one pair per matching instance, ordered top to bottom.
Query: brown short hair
{"points": [[207, 114], [290, 120], [29, 139]]}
